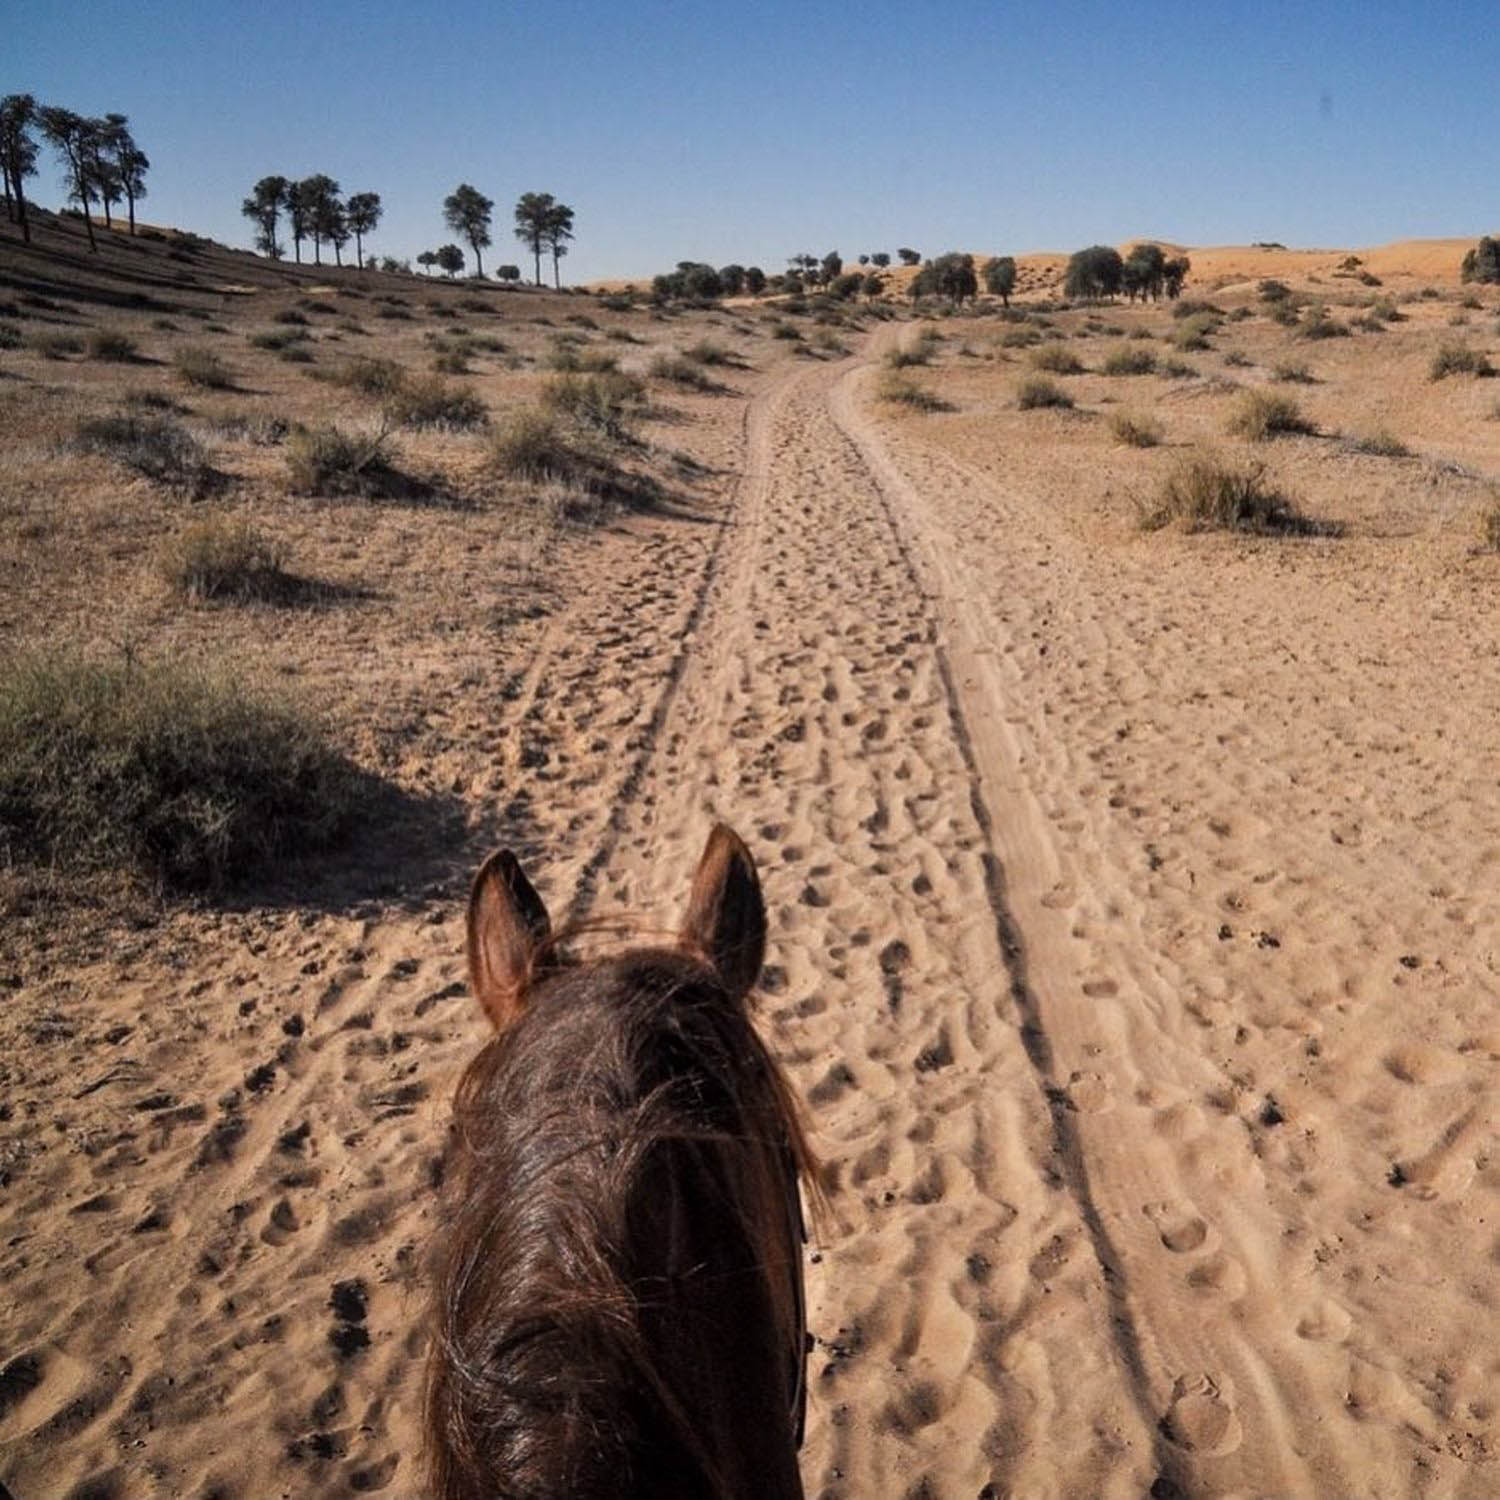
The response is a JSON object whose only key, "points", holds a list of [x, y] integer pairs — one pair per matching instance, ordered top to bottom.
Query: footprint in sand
{"points": [[1089, 1093], [1180, 1229], [1325, 1322], [1201, 1417]]}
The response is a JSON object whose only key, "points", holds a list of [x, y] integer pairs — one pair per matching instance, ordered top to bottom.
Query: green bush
{"points": [[112, 345], [1128, 361], [202, 367], [1038, 391], [1265, 414], [1206, 495], [219, 559], [179, 774]]}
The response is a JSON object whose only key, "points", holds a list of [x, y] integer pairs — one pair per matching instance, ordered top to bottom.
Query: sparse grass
{"points": [[293, 316], [1318, 324], [785, 330], [1193, 331], [10, 336], [277, 339], [55, 344], [111, 345], [709, 352], [570, 358], [897, 358], [1056, 359], [1459, 359], [1128, 361], [451, 362], [202, 367], [1177, 369], [682, 372], [1293, 373], [370, 377], [902, 390], [1037, 391], [148, 400], [431, 401], [607, 403], [1259, 415], [1134, 430], [531, 444], [1380, 444], [158, 447], [328, 461], [1204, 494], [1489, 523], [222, 560], [170, 772]]}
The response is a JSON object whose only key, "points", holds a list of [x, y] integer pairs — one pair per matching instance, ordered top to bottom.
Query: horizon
{"points": [[1336, 128]]}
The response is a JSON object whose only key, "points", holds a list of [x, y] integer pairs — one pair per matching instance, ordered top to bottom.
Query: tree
{"points": [[68, 133], [18, 149], [131, 162], [102, 167], [263, 208], [299, 210], [466, 211], [324, 212], [362, 212], [533, 216], [336, 227], [559, 232], [908, 257], [880, 258], [451, 259], [427, 260], [864, 260], [1482, 263], [399, 267], [831, 267], [1095, 272], [1144, 272], [508, 273], [1174, 273], [1000, 276], [953, 277], [755, 280], [874, 284], [848, 285]]}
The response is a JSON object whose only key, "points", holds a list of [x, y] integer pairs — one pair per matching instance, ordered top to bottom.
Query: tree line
{"points": [[100, 160], [315, 209], [1101, 271]]}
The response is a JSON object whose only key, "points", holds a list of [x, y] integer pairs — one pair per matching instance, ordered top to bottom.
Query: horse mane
{"points": [[620, 1073]]}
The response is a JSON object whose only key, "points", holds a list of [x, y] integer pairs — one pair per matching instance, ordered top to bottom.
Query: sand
{"points": [[1135, 947]]}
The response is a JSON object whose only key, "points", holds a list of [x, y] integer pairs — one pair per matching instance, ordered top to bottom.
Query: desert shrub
{"points": [[1272, 290], [616, 302], [1195, 307], [394, 314], [1286, 314], [293, 316], [1318, 324], [784, 330], [1192, 332], [10, 336], [624, 336], [1019, 338], [277, 339], [55, 344], [111, 344], [707, 352], [295, 354], [569, 358], [898, 358], [1056, 359], [1459, 359], [1235, 360], [1128, 361], [451, 362], [202, 367], [1177, 369], [682, 371], [1293, 372], [369, 377], [904, 391], [1037, 391], [147, 400], [431, 401], [607, 403], [1265, 414], [1134, 430], [530, 443], [1380, 445], [157, 447], [329, 461], [1206, 495], [1489, 523], [220, 559], [176, 773]]}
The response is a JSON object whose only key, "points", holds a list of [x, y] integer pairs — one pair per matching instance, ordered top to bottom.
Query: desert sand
{"points": [[1135, 936]]}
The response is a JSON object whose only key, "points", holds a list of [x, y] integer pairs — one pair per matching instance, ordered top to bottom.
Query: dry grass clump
{"points": [[1320, 325], [1193, 331], [277, 339], [54, 343], [111, 345], [709, 352], [571, 357], [898, 358], [1056, 359], [1459, 359], [452, 361], [1128, 361], [201, 367], [682, 372], [1293, 373], [369, 377], [902, 390], [1038, 391], [431, 401], [608, 403], [1267, 414], [1135, 430], [532, 444], [1380, 445], [155, 446], [328, 461], [1204, 494], [1489, 524], [219, 559], [176, 773]]}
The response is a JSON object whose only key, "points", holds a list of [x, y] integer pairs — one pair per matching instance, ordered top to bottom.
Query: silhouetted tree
{"points": [[18, 113], [69, 134], [130, 163], [263, 208], [323, 210], [299, 211], [466, 211], [363, 212], [533, 215], [558, 232], [909, 257], [880, 258], [451, 259], [427, 260], [1482, 263], [831, 267], [1097, 271], [1144, 272], [508, 273], [1174, 273], [1000, 276], [953, 277], [732, 279], [755, 280], [874, 284]]}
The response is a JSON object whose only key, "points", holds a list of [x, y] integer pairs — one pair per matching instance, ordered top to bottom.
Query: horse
{"points": [[619, 1304]]}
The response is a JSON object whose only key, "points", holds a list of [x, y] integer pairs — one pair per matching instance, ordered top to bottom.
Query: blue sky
{"points": [[749, 133]]}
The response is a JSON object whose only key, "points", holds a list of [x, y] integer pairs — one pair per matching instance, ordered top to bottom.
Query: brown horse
{"points": [[619, 1290]]}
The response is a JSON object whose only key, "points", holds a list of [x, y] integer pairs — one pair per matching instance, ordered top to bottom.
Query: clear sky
{"points": [[719, 132]]}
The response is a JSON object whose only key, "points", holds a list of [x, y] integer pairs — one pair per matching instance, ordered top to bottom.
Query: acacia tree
{"points": [[18, 113], [69, 134], [128, 162], [263, 208], [321, 210], [466, 211], [362, 212], [299, 216], [533, 216], [559, 231], [909, 257], [881, 258], [451, 259], [427, 260], [831, 266], [1094, 272], [1144, 272], [1174, 273], [950, 275], [1000, 276]]}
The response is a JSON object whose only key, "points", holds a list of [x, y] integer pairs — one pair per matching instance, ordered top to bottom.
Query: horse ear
{"points": [[726, 917], [507, 925]]}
